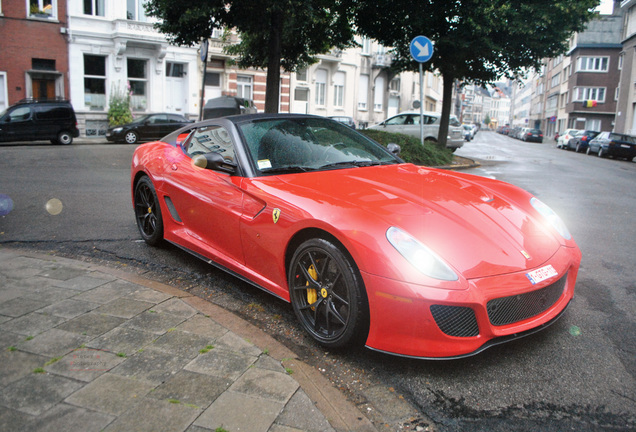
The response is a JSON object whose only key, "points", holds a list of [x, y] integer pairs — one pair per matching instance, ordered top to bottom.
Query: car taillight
{"points": [[540, 135]]}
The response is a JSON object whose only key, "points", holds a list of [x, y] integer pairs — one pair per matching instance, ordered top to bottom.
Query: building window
{"points": [[94, 7], [43, 9], [135, 10], [217, 33], [366, 46], [620, 62], [592, 64], [176, 70], [301, 75], [213, 79], [556, 80], [94, 82], [138, 82], [394, 85], [244, 87], [321, 87], [338, 89], [3, 91], [363, 93], [589, 93], [616, 93], [378, 94], [593, 124]]}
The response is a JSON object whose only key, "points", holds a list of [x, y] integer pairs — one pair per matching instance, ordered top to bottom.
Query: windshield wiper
{"points": [[350, 164], [285, 170]]}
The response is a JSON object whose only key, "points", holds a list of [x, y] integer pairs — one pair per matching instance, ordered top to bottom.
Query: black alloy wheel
{"points": [[148, 212], [328, 295]]}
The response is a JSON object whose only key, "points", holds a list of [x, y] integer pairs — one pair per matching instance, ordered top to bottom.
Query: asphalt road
{"points": [[579, 374]]}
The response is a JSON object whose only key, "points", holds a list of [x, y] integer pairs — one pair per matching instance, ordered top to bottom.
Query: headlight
{"points": [[117, 130], [553, 219], [421, 257]]}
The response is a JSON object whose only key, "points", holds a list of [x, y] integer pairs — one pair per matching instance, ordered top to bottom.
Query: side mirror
{"points": [[394, 148], [214, 162]]}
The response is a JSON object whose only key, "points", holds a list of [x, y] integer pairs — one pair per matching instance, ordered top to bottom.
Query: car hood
{"points": [[480, 232]]}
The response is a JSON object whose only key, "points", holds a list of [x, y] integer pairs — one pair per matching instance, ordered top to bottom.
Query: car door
{"points": [[174, 122], [17, 124], [408, 124], [153, 127], [209, 203]]}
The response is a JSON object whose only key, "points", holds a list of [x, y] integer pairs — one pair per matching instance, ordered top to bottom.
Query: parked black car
{"points": [[226, 106], [39, 119], [344, 120], [147, 128], [534, 135], [581, 140], [613, 144]]}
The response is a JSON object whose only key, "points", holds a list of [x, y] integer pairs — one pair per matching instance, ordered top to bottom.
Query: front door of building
{"points": [[43, 88], [176, 88]]}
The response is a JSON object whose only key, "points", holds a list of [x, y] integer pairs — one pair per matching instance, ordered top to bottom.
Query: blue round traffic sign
{"points": [[421, 49]]}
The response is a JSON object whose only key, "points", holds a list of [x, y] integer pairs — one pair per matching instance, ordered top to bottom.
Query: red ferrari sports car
{"points": [[408, 260]]}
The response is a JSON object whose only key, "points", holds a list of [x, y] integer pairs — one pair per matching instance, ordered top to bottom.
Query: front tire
{"points": [[131, 137], [148, 212], [328, 295]]}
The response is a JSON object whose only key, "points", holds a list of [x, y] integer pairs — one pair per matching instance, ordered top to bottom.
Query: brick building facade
{"points": [[34, 53]]}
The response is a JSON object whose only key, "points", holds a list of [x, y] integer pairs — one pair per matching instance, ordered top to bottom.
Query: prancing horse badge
{"points": [[276, 215]]}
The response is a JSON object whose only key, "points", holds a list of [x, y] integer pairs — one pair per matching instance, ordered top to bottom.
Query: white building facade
{"points": [[114, 47], [358, 83]]}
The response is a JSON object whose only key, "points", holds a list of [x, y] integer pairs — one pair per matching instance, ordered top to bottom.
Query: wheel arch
{"points": [[309, 233]]}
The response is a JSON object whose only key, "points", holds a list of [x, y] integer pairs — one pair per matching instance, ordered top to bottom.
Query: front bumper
{"points": [[427, 322]]}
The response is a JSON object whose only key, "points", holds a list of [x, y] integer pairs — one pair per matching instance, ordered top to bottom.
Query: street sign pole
{"points": [[421, 51], [204, 59], [421, 105]]}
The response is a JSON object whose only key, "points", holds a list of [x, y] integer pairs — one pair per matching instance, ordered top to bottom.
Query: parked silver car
{"points": [[408, 123]]}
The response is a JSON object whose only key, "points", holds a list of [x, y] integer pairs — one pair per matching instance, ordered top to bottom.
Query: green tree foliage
{"points": [[275, 34], [475, 40]]}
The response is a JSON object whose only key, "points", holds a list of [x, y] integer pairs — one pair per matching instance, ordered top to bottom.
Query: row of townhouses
{"points": [[85, 50], [592, 86]]}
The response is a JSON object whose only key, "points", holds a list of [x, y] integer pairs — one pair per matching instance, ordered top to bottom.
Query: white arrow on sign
{"points": [[423, 49]]}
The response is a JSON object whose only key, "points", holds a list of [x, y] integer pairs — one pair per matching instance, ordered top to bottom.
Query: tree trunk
{"points": [[449, 81], [272, 91]]}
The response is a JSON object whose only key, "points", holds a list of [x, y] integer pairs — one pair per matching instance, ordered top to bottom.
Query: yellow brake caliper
{"points": [[312, 295]]}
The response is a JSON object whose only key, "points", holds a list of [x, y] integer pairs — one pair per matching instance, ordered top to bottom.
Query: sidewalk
{"points": [[88, 348]]}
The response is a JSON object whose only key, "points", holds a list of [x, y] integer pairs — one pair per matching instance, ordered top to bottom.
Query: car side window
{"points": [[20, 114], [158, 119], [176, 119], [397, 120], [211, 139]]}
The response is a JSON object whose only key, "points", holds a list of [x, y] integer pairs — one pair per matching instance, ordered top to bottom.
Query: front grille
{"points": [[508, 310], [455, 320]]}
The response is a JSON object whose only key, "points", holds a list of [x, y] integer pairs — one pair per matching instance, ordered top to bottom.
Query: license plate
{"points": [[625, 146], [539, 275]]}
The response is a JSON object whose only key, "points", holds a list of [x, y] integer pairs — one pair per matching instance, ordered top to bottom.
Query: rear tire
{"points": [[64, 138], [601, 153]]}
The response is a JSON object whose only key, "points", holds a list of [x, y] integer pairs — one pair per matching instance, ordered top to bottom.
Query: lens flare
{"points": [[6, 205], [54, 206]]}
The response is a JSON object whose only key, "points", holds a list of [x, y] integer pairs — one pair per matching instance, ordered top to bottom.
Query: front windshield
{"points": [[306, 144]]}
